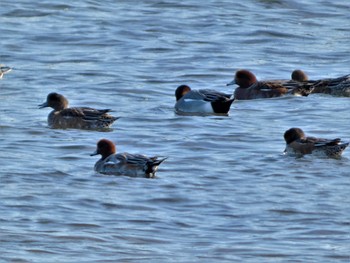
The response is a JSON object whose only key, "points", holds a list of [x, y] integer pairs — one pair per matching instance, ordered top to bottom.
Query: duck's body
{"points": [[334, 86], [250, 88], [203, 101], [63, 117], [298, 144], [134, 165]]}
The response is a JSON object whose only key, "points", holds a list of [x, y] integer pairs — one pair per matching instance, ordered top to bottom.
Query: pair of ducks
{"points": [[206, 101], [63, 117], [128, 164]]}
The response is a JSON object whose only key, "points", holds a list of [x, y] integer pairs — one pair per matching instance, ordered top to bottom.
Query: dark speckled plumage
{"points": [[339, 86], [250, 88], [63, 117], [299, 144]]}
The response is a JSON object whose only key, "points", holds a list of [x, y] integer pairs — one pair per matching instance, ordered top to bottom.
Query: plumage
{"points": [[339, 86], [250, 88], [203, 101], [63, 117], [298, 144], [135, 165]]}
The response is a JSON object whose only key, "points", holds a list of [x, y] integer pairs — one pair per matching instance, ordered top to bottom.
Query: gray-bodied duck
{"points": [[203, 101], [134, 165]]}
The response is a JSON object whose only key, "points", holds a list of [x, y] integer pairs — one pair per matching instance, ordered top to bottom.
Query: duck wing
{"points": [[207, 95], [88, 113], [91, 114], [320, 142], [326, 142], [132, 159], [139, 160]]}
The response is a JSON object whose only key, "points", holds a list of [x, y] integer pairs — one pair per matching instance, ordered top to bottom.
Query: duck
{"points": [[4, 70], [339, 86], [250, 88], [203, 101], [63, 117], [298, 144], [133, 165]]}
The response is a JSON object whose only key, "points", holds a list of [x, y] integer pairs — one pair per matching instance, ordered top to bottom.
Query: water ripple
{"points": [[226, 193]]}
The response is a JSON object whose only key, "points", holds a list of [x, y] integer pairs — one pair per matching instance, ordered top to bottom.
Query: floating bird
{"points": [[334, 86], [250, 88], [203, 101], [63, 117], [298, 144], [134, 165]]}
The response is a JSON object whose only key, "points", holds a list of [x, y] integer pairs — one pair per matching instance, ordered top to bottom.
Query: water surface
{"points": [[226, 193]]}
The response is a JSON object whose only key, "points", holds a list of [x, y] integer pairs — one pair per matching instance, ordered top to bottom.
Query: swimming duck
{"points": [[4, 70], [334, 86], [250, 88], [203, 101], [63, 117], [298, 144], [135, 165]]}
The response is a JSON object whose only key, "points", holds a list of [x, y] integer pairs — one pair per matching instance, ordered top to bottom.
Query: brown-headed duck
{"points": [[339, 86], [250, 88], [63, 117], [298, 144], [134, 165]]}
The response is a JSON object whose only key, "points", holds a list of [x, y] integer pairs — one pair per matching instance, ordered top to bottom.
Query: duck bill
{"points": [[233, 82], [44, 105], [94, 153]]}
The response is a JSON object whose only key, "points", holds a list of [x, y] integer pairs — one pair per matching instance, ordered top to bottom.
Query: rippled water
{"points": [[226, 193]]}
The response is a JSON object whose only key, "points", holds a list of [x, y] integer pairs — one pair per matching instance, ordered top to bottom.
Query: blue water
{"points": [[226, 193]]}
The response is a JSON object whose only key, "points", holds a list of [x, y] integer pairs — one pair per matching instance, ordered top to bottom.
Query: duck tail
{"points": [[222, 106], [115, 118], [344, 145], [338, 150], [156, 162], [152, 166]]}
